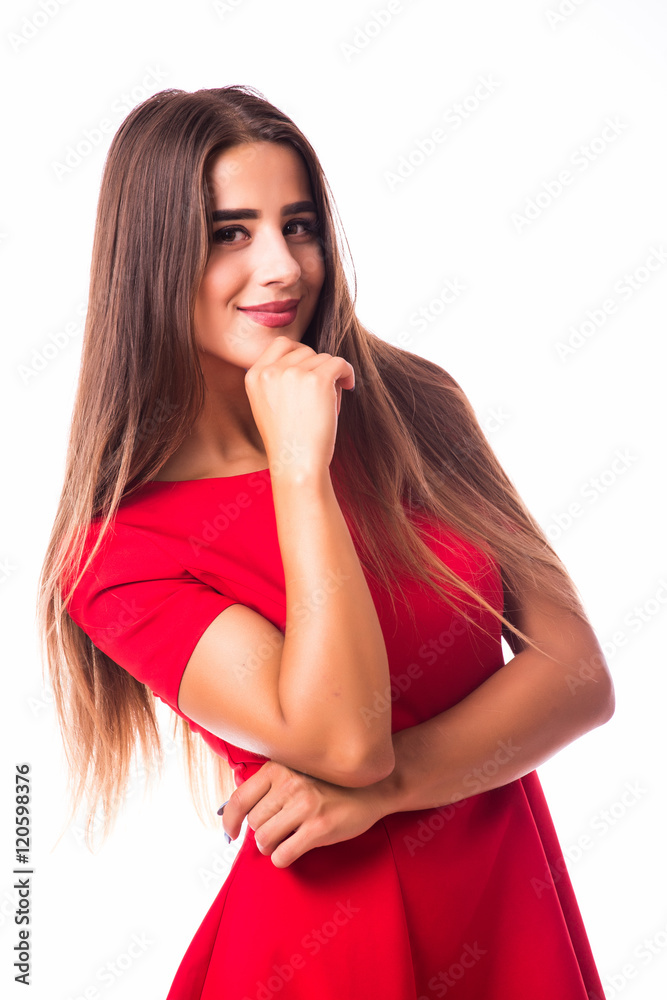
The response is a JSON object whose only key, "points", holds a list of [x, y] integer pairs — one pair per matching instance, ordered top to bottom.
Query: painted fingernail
{"points": [[222, 808], [227, 837]]}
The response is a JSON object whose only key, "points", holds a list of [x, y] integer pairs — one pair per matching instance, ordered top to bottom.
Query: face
{"points": [[265, 253]]}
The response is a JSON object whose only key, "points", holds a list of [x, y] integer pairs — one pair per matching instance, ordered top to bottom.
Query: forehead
{"points": [[261, 170]]}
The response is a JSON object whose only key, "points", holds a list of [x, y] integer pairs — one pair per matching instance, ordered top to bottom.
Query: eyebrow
{"points": [[228, 214]]}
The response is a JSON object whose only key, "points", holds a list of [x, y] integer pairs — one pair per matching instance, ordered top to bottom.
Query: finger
{"points": [[281, 347], [285, 352], [302, 355], [308, 363], [333, 367], [339, 371], [245, 798], [282, 810], [276, 828], [301, 841]]}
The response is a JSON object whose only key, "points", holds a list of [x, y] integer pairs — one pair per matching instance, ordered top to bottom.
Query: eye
{"points": [[310, 226], [219, 236]]}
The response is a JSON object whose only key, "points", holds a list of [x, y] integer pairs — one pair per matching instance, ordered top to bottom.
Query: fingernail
{"points": [[222, 808], [227, 837]]}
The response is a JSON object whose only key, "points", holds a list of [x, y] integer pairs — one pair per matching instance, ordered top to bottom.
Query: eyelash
{"points": [[311, 226]]}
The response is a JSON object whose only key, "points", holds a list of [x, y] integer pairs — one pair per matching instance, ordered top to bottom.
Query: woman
{"points": [[317, 583]]}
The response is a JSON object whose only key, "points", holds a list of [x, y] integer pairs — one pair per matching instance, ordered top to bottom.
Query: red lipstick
{"points": [[280, 312]]}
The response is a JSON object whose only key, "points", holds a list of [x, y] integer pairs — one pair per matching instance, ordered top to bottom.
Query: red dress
{"points": [[471, 900]]}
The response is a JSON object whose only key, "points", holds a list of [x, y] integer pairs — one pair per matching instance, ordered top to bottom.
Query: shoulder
{"points": [[136, 529], [124, 545], [126, 554], [139, 605]]}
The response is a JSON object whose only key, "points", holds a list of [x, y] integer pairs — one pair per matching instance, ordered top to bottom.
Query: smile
{"points": [[272, 313]]}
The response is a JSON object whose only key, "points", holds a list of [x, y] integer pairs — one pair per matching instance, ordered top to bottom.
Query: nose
{"points": [[274, 260]]}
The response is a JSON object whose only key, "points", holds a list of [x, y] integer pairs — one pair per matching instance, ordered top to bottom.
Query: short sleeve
{"points": [[142, 608]]}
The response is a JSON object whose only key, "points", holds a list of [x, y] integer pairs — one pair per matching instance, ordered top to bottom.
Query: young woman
{"points": [[316, 581]]}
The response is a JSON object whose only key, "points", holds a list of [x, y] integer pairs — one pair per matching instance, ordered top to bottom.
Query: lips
{"points": [[277, 306], [278, 313]]}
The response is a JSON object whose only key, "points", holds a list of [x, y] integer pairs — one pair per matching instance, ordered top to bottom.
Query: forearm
{"points": [[334, 657], [517, 719]]}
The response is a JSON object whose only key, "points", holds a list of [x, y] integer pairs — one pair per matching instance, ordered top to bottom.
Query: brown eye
{"points": [[310, 225], [218, 235]]}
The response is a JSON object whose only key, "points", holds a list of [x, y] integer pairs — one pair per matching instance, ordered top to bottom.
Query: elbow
{"points": [[590, 681], [607, 696], [602, 699], [607, 703], [369, 766]]}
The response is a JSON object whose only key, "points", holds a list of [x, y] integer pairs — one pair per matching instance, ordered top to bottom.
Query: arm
{"points": [[334, 657], [297, 698], [518, 718]]}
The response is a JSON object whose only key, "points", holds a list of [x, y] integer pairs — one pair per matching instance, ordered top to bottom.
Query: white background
{"points": [[365, 98]]}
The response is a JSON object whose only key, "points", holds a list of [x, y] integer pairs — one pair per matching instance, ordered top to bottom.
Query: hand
{"points": [[295, 395], [292, 812]]}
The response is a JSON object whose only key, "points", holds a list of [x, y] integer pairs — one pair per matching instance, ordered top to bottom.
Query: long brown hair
{"points": [[408, 440]]}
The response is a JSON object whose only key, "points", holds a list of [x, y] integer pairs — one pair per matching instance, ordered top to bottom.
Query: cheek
{"points": [[313, 268], [220, 282], [207, 303]]}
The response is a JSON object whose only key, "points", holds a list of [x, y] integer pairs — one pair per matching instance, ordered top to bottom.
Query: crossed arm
{"points": [[523, 714], [519, 717]]}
